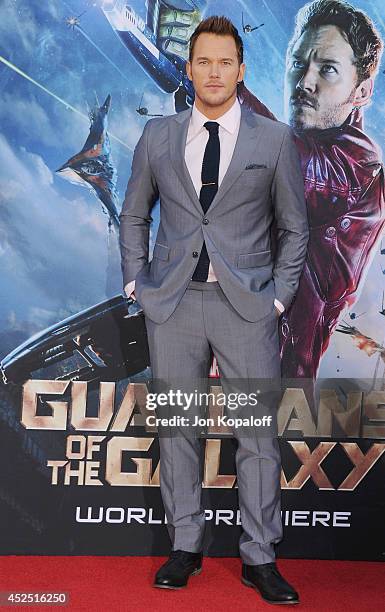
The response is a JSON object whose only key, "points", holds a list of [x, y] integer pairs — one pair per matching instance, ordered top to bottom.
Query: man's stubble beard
{"points": [[208, 102], [329, 118]]}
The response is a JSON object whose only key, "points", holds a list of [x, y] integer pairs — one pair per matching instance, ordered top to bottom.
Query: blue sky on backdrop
{"points": [[53, 235]]}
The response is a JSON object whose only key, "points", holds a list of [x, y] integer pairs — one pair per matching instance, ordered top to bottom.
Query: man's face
{"points": [[214, 69], [320, 80]]}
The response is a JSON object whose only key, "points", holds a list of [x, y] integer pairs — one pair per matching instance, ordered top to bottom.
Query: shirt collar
{"points": [[228, 120]]}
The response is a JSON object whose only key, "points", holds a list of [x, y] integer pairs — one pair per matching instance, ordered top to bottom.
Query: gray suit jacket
{"points": [[263, 183]]}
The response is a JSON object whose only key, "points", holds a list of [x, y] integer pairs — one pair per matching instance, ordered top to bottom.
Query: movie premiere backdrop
{"points": [[79, 465]]}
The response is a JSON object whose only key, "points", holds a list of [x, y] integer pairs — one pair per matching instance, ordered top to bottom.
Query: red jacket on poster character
{"points": [[344, 188]]}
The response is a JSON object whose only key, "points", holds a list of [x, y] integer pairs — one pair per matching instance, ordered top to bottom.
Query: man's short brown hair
{"points": [[220, 25], [356, 27]]}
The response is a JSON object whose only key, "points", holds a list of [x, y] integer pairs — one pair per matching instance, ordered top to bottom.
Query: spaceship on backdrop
{"points": [[160, 44], [93, 166]]}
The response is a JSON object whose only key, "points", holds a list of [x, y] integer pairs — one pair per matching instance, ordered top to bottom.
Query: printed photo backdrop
{"points": [[78, 81]]}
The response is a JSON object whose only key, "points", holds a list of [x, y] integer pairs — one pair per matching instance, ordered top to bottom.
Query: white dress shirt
{"points": [[197, 137]]}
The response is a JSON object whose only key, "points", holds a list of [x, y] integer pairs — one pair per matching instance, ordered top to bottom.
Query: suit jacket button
{"points": [[205, 221], [195, 254]]}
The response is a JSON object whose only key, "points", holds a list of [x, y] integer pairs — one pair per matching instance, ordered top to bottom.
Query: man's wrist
{"points": [[129, 288], [279, 306]]}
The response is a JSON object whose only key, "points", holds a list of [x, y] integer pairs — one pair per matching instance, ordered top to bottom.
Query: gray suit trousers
{"points": [[180, 349]]}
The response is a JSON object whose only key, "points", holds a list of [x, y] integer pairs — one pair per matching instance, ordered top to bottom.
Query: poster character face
{"points": [[215, 69], [321, 86]]}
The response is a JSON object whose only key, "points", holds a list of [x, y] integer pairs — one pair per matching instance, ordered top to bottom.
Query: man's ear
{"points": [[188, 70], [241, 73], [363, 92]]}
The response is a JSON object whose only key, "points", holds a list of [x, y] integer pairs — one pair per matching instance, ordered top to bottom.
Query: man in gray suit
{"points": [[223, 175]]}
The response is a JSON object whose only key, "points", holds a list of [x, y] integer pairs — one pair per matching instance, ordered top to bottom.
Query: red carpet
{"points": [[124, 584]]}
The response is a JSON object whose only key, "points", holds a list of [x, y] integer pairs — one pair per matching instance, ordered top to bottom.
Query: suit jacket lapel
{"points": [[177, 142]]}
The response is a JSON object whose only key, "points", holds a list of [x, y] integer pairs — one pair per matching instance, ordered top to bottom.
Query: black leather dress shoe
{"points": [[175, 573], [268, 581]]}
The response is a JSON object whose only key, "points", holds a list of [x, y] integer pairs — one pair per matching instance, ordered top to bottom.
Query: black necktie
{"points": [[210, 170]]}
